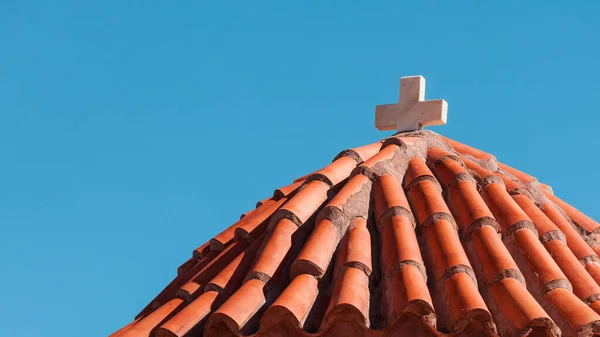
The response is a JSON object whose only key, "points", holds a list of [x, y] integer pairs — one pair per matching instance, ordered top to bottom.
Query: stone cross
{"points": [[412, 112]]}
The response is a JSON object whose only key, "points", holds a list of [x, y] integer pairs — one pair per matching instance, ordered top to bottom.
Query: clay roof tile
{"points": [[415, 234]]}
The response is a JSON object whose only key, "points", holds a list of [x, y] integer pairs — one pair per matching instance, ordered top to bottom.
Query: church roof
{"points": [[414, 234]]}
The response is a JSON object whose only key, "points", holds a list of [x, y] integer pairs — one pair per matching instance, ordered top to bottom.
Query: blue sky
{"points": [[132, 133]]}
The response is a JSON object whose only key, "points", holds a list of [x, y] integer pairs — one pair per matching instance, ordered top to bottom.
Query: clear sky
{"points": [[133, 131]]}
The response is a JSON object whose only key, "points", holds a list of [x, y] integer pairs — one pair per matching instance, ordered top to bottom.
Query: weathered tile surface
{"points": [[415, 235]]}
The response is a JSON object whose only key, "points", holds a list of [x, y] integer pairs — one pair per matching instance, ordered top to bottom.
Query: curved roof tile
{"points": [[415, 234]]}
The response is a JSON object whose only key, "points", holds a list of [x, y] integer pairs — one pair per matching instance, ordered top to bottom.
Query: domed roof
{"points": [[414, 234]]}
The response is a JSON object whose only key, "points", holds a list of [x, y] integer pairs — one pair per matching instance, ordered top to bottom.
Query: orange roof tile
{"points": [[416, 234]]}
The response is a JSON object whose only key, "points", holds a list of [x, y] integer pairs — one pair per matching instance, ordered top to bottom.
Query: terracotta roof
{"points": [[415, 234]]}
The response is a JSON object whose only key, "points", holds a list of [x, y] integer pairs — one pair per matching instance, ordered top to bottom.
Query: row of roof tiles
{"points": [[416, 233]]}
